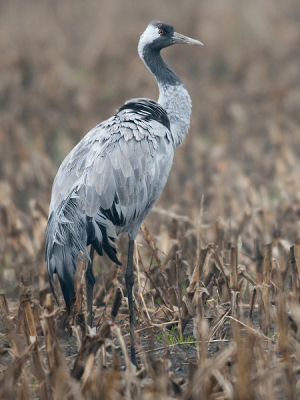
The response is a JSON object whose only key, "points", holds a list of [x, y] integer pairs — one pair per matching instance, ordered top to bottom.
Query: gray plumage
{"points": [[110, 181]]}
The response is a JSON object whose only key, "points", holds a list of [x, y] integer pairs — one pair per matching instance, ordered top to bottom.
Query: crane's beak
{"points": [[178, 38]]}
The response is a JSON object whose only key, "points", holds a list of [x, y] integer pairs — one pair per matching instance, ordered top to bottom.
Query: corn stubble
{"points": [[256, 328]]}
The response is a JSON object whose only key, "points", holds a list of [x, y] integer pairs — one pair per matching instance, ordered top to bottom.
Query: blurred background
{"points": [[65, 66]]}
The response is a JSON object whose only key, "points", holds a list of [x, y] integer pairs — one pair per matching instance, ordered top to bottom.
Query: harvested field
{"points": [[217, 262]]}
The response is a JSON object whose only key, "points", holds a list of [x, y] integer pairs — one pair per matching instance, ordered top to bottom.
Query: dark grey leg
{"points": [[129, 280], [90, 282]]}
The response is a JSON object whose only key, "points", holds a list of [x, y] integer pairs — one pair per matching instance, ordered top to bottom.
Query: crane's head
{"points": [[158, 36]]}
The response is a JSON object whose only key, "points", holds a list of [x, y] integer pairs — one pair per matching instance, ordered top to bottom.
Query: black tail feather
{"points": [[69, 231], [109, 250], [67, 296]]}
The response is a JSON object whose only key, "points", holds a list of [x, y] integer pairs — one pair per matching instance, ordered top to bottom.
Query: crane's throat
{"points": [[177, 103]]}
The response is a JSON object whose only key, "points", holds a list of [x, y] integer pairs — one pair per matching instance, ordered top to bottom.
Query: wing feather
{"points": [[124, 156], [115, 157], [125, 167], [119, 178], [107, 184], [107, 198]]}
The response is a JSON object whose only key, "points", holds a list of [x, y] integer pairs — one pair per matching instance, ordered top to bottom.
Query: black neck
{"points": [[162, 72]]}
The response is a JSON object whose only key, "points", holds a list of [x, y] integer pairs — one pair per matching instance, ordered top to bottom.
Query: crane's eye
{"points": [[161, 32]]}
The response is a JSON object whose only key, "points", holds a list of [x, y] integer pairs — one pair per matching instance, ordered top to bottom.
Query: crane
{"points": [[112, 178]]}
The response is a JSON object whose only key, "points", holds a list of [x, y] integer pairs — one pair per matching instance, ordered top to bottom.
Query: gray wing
{"points": [[123, 162], [107, 184]]}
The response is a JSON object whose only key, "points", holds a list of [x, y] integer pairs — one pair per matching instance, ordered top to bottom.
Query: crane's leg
{"points": [[129, 281], [90, 282]]}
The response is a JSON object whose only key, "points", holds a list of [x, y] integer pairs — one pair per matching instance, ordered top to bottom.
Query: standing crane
{"points": [[110, 181]]}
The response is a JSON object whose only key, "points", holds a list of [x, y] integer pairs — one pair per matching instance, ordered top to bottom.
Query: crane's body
{"points": [[110, 181], [107, 185]]}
